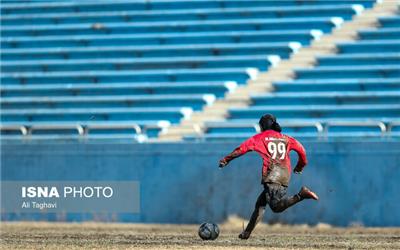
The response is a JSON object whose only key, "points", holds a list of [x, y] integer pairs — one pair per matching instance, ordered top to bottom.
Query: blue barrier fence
{"points": [[358, 182]]}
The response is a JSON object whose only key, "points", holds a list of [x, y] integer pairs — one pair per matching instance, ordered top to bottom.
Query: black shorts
{"points": [[271, 195]]}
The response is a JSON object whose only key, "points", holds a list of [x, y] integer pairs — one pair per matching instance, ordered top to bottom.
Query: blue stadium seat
{"points": [[94, 6], [346, 11], [390, 22], [323, 23], [380, 34], [221, 37], [370, 46], [281, 49], [360, 59], [256, 61], [380, 71], [239, 75], [329, 85], [116, 89], [328, 98], [28, 103], [318, 111], [174, 115]]}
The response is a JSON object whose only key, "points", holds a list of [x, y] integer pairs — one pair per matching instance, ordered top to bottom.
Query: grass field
{"points": [[29, 235]]}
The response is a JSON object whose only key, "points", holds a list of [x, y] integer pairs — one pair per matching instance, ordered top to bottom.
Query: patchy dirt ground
{"points": [[31, 235]]}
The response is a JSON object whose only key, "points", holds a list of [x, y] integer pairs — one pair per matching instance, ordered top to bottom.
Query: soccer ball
{"points": [[208, 231]]}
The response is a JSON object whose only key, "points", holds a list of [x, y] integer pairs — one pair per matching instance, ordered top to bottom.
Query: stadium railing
{"points": [[82, 130], [322, 130]]}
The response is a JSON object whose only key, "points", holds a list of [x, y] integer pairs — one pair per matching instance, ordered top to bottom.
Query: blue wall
{"points": [[358, 182]]}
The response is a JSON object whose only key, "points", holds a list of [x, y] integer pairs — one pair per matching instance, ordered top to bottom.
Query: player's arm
{"points": [[245, 147], [301, 152], [234, 154]]}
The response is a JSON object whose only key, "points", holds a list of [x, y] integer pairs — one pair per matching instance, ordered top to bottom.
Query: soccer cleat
{"points": [[306, 193], [244, 235]]}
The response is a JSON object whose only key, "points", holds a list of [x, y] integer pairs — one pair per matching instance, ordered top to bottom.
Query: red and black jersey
{"points": [[274, 148]]}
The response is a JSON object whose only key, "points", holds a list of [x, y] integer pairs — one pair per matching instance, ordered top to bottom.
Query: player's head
{"points": [[268, 122]]}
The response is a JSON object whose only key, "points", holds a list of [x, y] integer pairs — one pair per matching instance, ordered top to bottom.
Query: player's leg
{"points": [[279, 203], [256, 216]]}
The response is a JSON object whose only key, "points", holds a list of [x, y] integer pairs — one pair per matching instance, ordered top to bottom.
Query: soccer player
{"points": [[274, 148]]}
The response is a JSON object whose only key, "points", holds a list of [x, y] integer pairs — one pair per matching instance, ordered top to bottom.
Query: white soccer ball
{"points": [[208, 231]]}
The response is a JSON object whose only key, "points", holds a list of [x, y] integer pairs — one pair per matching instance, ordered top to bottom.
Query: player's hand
{"points": [[223, 163], [297, 170]]}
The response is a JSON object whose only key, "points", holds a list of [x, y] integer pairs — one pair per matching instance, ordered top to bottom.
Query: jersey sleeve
{"points": [[248, 145], [296, 146], [245, 147]]}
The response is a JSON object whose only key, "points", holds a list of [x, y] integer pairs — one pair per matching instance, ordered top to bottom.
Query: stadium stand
{"points": [[119, 69], [353, 93]]}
